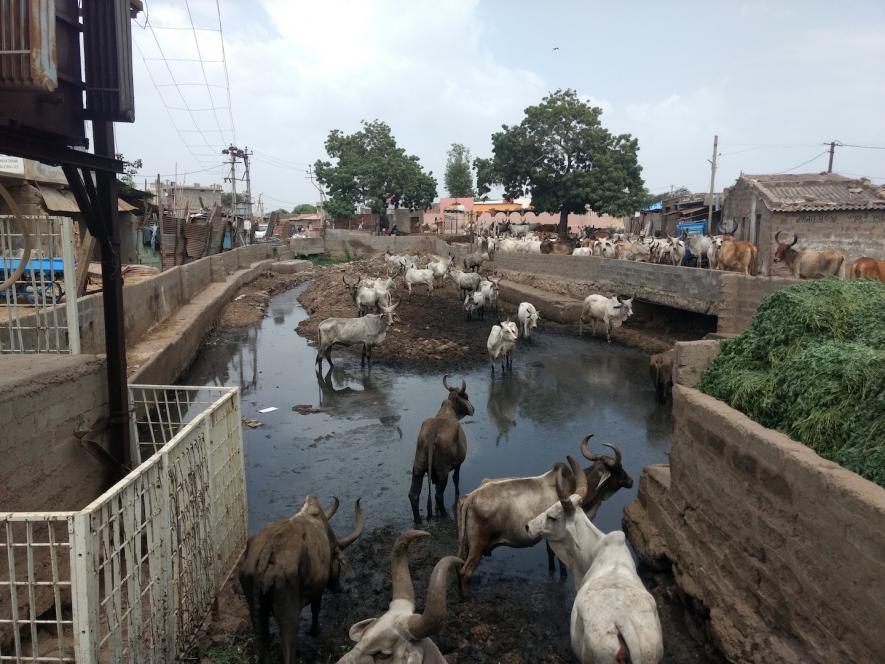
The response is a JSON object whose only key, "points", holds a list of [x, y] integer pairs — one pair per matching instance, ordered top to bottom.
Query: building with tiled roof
{"points": [[825, 211]]}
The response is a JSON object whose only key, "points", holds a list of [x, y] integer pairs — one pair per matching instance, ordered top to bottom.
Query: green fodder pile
{"points": [[812, 365]]}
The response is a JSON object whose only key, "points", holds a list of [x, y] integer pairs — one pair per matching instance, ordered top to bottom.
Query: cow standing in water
{"points": [[441, 449]]}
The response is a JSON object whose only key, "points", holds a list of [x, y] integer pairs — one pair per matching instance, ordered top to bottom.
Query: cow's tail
{"points": [[754, 264], [463, 542]]}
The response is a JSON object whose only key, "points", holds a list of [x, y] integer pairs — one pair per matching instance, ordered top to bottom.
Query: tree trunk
{"points": [[563, 223]]}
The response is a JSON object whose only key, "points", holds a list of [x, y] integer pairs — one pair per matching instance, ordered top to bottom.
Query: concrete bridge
{"points": [[731, 297]]}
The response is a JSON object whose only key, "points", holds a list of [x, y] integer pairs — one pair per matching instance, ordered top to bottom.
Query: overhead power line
{"points": [[190, 18], [233, 127], [817, 156]]}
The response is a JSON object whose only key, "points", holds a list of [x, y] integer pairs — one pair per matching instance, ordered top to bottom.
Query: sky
{"points": [[774, 80]]}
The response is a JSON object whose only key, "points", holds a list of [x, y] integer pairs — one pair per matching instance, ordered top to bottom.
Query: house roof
{"points": [[816, 193], [57, 200]]}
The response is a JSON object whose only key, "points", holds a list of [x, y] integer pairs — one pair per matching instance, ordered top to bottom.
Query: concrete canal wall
{"points": [[46, 399], [784, 548]]}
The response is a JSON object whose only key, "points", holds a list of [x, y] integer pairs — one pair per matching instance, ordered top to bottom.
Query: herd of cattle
{"points": [[720, 252], [290, 562]]}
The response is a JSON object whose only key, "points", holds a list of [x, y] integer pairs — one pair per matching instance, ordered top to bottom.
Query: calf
{"points": [[808, 264], [489, 289], [474, 303], [611, 311], [528, 317], [369, 331], [500, 344], [661, 370], [441, 448], [495, 513], [287, 565], [614, 618], [400, 635]]}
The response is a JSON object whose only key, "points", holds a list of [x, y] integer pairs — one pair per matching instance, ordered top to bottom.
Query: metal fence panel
{"points": [[32, 316], [131, 576]]}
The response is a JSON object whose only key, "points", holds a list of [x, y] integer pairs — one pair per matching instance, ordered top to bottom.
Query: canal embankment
{"points": [[782, 548]]}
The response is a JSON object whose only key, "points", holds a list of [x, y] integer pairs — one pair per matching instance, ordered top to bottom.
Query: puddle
{"points": [[362, 440]]}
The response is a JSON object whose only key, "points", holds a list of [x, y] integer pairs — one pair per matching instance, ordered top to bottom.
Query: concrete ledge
{"points": [[290, 266], [552, 306], [691, 359], [782, 546]]}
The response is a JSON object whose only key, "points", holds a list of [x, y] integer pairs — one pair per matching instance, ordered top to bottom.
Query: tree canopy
{"points": [[562, 156], [372, 170], [458, 176], [227, 198], [650, 198], [304, 208]]}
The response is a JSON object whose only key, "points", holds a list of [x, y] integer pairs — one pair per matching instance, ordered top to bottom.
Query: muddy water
{"points": [[362, 441]]}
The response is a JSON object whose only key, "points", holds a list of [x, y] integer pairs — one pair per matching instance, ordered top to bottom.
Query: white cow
{"points": [[583, 251], [440, 267], [415, 276], [489, 289], [612, 311], [528, 317], [369, 331], [500, 344], [614, 618], [400, 635]]}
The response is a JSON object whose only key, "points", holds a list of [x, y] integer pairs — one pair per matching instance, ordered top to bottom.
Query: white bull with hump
{"points": [[611, 311], [368, 330], [500, 344], [614, 618]]}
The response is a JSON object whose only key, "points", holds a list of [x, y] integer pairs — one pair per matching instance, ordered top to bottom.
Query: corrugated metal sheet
{"points": [[27, 45], [816, 193], [57, 200]]}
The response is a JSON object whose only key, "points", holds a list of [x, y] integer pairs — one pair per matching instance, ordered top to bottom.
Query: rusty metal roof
{"points": [[817, 193], [57, 200]]}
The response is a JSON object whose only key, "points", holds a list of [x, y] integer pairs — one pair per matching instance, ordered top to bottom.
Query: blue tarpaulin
{"points": [[692, 228], [44, 265]]}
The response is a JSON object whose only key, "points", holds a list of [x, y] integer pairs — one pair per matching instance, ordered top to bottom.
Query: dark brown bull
{"points": [[563, 247], [807, 263], [868, 268], [661, 370], [441, 448], [495, 513], [287, 565]]}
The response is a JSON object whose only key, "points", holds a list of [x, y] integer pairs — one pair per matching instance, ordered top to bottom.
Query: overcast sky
{"points": [[775, 80]]}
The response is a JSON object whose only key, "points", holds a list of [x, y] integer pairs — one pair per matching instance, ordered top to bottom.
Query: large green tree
{"points": [[562, 156], [370, 169], [458, 177], [304, 208]]}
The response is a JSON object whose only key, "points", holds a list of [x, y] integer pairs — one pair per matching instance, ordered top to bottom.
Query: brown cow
{"points": [[563, 247], [808, 264], [868, 268], [661, 369], [441, 448], [495, 513], [287, 565]]}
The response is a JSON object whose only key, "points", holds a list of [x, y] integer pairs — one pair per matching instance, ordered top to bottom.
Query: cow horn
{"points": [[777, 237], [795, 239], [344, 279], [445, 383], [463, 386], [585, 449], [617, 460], [581, 487], [562, 490], [331, 511], [357, 529], [399, 562], [435, 610]]}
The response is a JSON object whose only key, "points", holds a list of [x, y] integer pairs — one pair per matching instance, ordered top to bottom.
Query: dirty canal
{"points": [[352, 434]]}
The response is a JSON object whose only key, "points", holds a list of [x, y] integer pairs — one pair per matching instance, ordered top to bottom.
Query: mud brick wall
{"points": [[784, 548]]}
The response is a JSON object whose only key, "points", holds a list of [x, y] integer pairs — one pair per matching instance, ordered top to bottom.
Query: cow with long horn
{"points": [[736, 256], [807, 263], [441, 449], [495, 513], [287, 565], [614, 618], [401, 635]]}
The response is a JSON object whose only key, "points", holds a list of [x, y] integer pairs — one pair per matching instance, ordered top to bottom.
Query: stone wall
{"points": [[343, 244], [739, 297], [781, 546]]}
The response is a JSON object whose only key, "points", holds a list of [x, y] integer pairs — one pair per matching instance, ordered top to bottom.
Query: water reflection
{"points": [[339, 398], [502, 404]]}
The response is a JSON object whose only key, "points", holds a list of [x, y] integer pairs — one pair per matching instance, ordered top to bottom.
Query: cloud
{"points": [[298, 70]]}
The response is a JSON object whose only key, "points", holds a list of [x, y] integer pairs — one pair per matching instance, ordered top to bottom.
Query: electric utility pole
{"points": [[832, 151], [233, 152], [712, 185], [322, 196]]}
